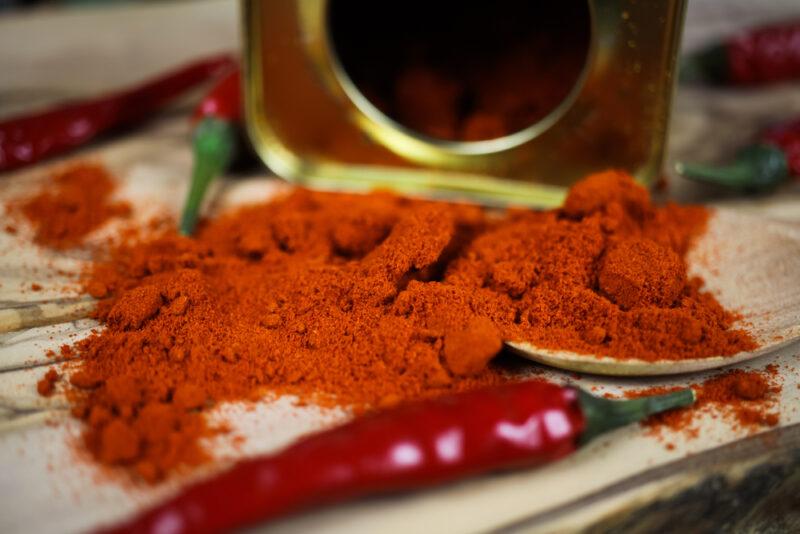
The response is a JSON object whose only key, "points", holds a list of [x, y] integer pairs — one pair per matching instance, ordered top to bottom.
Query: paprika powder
{"points": [[77, 201], [368, 301], [746, 398]]}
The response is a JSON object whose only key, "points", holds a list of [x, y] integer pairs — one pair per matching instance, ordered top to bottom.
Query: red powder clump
{"points": [[611, 193], [76, 201], [640, 272], [604, 275], [367, 301], [47, 385]]}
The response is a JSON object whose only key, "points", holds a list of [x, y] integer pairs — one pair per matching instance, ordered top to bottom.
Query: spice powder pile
{"points": [[77, 201], [371, 300]]}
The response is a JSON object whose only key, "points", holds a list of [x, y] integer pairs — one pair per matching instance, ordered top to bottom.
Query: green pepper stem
{"points": [[709, 64], [213, 145], [757, 167], [737, 174], [603, 415]]}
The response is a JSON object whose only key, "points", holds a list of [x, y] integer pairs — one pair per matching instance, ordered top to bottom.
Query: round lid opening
{"points": [[461, 71]]}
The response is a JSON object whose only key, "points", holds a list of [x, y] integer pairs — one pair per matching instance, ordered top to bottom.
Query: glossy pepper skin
{"points": [[761, 56], [224, 100], [786, 136], [28, 139], [214, 142], [758, 167], [418, 445], [413, 446]]}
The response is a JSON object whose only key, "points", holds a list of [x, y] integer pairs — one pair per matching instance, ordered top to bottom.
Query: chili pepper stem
{"points": [[709, 64], [213, 145], [756, 167], [734, 175], [603, 415]]}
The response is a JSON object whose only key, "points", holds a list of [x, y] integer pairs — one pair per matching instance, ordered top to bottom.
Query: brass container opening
{"points": [[460, 72], [505, 102]]}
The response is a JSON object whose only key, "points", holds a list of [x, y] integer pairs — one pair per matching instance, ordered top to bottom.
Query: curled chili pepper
{"points": [[760, 56], [28, 139], [214, 142], [759, 167], [418, 445]]}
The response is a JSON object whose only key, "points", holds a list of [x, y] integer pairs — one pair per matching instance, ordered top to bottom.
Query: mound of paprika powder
{"points": [[371, 300]]}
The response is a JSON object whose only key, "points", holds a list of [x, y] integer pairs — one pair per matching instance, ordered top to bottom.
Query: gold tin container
{"points": [[311, 121]]}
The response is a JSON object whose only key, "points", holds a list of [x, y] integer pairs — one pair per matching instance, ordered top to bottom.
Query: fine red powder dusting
{"points": [[75, 201], [371, 300], [747, 399]]}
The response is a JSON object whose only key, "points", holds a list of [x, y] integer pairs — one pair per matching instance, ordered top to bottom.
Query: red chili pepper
{"points": [[760, 56], [224, 101], [787, 137], [32, 138], [214, 143], [758, 167], [418, 445]]}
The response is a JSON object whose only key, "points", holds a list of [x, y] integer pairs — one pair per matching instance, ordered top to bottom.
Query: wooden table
{"points": [[625, 482]]}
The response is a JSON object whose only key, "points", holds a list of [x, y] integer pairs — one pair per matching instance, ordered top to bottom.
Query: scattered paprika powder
{"points": [[76, 201], [372, 300], [746, 398]]}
